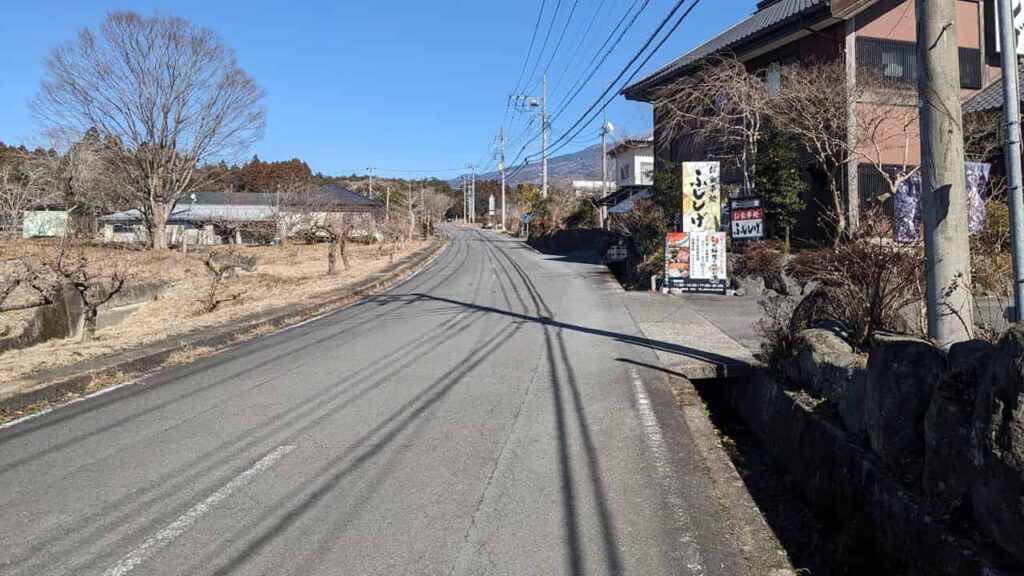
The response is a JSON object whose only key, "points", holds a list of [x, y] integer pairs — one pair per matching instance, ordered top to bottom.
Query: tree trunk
{"points": [[839, 211], [158, 231], [342, 243], [332, 257], [89, 325]]}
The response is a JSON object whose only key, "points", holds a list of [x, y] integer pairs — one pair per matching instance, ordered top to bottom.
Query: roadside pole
{"points": [[544, 135], [1012, 147], [501, 165], [943, 188]]}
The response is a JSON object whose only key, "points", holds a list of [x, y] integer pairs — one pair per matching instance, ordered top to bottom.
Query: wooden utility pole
{"points": [[544, 135], [501, 165], [943, 187]]}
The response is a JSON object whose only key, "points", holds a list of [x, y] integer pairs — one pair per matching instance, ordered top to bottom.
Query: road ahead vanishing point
{"points": [[498, 413]]}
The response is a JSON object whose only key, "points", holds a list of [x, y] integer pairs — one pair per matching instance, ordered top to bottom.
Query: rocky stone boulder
{"points": [[827, 304], [822, 362], [902, 375], [851, 399], [948, 466], [998, 489]]}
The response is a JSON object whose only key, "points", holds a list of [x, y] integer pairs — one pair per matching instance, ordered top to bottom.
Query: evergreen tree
{"points": [[778, 181]]}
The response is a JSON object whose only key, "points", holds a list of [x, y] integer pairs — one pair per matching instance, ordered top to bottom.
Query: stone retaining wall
{"points": [[65, 317], [922, 447]]}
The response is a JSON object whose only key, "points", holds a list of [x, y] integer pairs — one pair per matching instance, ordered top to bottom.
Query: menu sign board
{"points": [[695, 262]]}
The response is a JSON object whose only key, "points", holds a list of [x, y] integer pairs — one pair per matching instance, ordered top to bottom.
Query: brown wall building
{"points": [[875, 39]]}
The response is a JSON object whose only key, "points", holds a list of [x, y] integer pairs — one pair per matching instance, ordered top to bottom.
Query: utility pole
{"points": [[606, 128], [544, 135], [1012, 147], [501, 166], [369, 175], [943, 187], [472, 191], [465, 201], [387, 203]]}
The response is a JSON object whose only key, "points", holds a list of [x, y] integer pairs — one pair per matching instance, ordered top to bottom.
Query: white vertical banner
{"points": [[1018, 25], [702, 197]]}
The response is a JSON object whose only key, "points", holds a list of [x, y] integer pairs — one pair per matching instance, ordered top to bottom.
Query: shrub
{"points": [[583, 215], [644, 226], [760, 259], [880, 277], [774, 330]]}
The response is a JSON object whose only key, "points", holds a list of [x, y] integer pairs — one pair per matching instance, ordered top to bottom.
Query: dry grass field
{"points": [[283, 275]]}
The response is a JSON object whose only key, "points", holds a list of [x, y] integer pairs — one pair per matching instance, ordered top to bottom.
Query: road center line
{"points": [[663, 474], [186, 520]]}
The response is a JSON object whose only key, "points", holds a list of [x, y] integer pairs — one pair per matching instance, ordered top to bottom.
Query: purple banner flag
{"points": [[907, 209]]}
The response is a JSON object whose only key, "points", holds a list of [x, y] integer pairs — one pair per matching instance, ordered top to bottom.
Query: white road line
{"points": [[69, 403], [663, 473], [186, 520]]}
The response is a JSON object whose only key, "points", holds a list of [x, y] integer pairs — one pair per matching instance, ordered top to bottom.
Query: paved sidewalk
{"points": [[711, 336]]}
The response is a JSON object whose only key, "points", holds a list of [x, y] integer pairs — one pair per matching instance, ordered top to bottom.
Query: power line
{"points": [[558, 44], [544, 46], [576, 50], [526, 62], [581, 82], [580, 85], [579, 125]]}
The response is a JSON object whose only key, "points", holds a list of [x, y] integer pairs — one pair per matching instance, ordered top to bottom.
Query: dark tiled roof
{"points": [[765, 20], [990, 97], [327, 195], [342, 196], [232, 199]]}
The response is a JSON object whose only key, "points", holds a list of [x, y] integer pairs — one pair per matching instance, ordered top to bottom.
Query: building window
{"points": [[895, 63], [970, 68], [773, 78], [646, 172], [123, 228]]}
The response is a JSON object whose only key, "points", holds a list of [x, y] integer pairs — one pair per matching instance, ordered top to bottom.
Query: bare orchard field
{"points": [[283, 275]]}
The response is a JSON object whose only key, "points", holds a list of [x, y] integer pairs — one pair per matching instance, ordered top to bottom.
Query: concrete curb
{"points": [[52, 385]]}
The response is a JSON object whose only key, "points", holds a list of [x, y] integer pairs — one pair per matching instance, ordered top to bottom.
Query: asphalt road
{"points": [[495, 414]]}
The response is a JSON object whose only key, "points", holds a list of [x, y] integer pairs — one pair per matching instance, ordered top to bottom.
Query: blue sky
{"points": [[400, 85]]}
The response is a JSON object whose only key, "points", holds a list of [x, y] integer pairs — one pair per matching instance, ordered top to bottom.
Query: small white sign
{"points": [[1018, 25], [616, 253]]}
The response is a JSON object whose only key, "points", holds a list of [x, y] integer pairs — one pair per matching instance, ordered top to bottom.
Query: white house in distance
{"points": [[634, 162], [634, 176], [597, 188], [206, 218]]}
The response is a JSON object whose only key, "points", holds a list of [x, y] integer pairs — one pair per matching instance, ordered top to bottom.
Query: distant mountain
{"points": [[582, 165]]}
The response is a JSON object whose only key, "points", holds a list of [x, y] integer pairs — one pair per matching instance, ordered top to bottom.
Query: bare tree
{"points": [[164, 95], [723, 104], [813, 105], [887, 124], [983, 141], [72, 173], [17, 191], [432, 205], [315, 218], [222, 266], [22, 274], [96, 282]]}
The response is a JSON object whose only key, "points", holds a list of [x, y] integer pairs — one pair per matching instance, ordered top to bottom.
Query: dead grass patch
{"points": [[284, 275], [188, 354]]}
